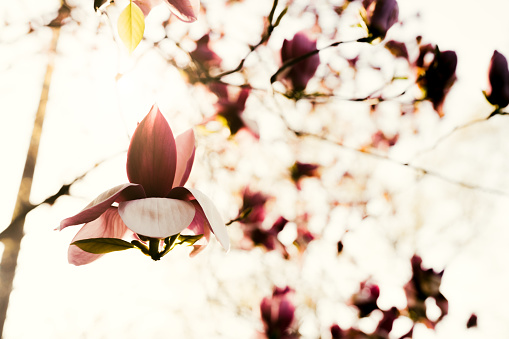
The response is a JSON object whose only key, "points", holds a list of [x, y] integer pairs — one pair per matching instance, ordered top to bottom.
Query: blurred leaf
{"points": [[131, 25], [188, 239], [103, 245]]}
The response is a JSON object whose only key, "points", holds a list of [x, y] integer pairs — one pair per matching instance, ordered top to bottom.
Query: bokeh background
{"points": [[449, 206]]}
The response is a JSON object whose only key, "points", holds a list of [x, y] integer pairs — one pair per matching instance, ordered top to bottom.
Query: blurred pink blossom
{"points": [[185, 10], [381, 15], [203, 55], [299, 74], [230, 107], [366, 299], [278, 314]]}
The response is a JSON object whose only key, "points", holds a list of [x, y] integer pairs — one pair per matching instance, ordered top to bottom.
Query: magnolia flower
{"points": [[185, 10], [381, 15], [203, 55], [300, 73], [498, 76], [438, 77], [230, 107], [154, 204], [253, 207], [257, 235], [278, 314]]}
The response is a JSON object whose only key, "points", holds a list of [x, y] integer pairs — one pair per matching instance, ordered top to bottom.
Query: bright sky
{"points": [[125, 295]]}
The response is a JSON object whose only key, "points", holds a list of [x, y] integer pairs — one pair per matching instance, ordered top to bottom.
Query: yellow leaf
{"points": [[131, 25]]}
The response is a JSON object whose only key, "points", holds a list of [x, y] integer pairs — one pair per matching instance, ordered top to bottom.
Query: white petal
{"points": [[156, 217], [213, 217]]}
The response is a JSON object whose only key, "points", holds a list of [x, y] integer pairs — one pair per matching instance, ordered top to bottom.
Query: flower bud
{"points": [[381, 15], [300, 73], [498, 76], [439, 78], [253, 206], [277, 314], [472, 321], [336, 332]]}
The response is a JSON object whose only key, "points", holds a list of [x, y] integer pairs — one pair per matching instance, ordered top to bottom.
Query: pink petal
{"points": [[147, 5], [185, 10], [287, 50], [220, 90], [242, 98], [152, 155], [185, 157], [100, 204], [211, 213], [156, 217], [108, 225], [199, 225], [286, 313]]}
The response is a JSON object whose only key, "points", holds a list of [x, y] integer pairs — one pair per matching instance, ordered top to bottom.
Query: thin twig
{"points": [[265, 37], [298, 59], [454, 130], [418, 169], [63, 190]]}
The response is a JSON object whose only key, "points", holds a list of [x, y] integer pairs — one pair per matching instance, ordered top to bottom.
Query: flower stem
{"points": [[153, 248]]}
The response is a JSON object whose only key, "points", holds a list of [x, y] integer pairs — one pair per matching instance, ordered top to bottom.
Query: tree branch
{"points": [[265, 37], [298, 59], [415, 168], [11, 237]]}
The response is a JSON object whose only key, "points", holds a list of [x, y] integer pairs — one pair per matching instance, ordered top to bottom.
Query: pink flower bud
{"points": [[380, 16], [300, 73], [498, 76], [439, 78], [253, 206], [277, 314], [472, 321], [336, 332]]}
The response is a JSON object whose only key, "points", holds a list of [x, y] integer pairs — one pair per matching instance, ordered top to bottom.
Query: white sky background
{"points": [[214, 295]]}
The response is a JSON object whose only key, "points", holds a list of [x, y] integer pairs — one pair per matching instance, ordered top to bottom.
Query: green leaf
{"points": [[131, 25], [188, 239], [103, 245]]}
